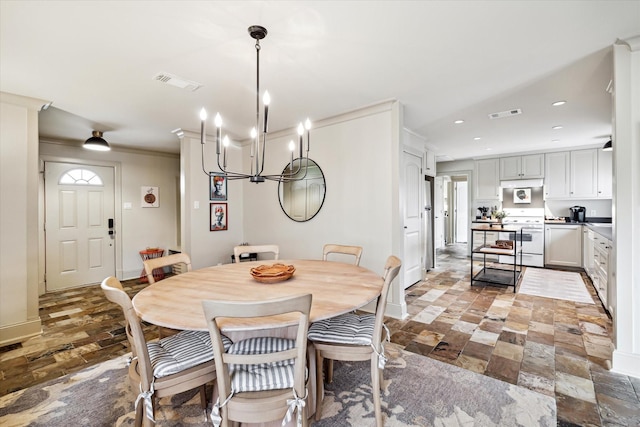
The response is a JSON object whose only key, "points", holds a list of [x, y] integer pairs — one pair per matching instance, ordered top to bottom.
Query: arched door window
{"points": [[80, 177]]}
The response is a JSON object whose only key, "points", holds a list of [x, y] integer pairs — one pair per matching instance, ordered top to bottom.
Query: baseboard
{"points": [[20, 332], [626, 363]]}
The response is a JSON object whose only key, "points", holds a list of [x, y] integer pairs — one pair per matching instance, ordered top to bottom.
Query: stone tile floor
{"points": [[555, 347]]}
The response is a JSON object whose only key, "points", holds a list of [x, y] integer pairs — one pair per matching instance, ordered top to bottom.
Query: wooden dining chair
{"points": [[331, 248], [256, 249], [181, 260], [354, 337], [166, 367], [260, 378]]}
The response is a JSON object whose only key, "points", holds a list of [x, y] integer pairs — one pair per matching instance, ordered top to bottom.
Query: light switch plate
{"points": [[126, 205], [196, 205], [593, 212]]}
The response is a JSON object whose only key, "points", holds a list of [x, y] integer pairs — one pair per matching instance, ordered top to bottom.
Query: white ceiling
{"points": [[443, 60]]}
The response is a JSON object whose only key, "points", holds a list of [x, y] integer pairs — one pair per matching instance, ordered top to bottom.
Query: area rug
{"points": [[565, 285], [418, 391]]}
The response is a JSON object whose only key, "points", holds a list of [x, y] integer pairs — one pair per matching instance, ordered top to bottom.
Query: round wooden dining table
{"points": [[336, 288]]}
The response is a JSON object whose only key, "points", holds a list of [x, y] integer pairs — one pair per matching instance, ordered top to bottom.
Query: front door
{"points": [[79, 202], [413, 209]]}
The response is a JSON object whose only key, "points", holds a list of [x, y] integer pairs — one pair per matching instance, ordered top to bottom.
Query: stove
{"points": [[531, 222]]}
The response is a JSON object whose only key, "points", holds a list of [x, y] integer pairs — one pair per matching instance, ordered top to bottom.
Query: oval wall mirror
{"points": [[302, 199]]}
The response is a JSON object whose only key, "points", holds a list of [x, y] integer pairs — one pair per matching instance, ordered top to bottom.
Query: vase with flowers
{"points": [[500, 215]]}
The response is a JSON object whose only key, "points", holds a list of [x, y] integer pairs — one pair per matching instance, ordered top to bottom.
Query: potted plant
{"points": [[499, 215]]}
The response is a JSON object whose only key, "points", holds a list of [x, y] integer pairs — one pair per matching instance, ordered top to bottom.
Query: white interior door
{"points": [[79, 202], [413, 209]]}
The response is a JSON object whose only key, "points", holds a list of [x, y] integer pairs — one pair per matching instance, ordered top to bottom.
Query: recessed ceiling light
{"points": [[559, 103], [458, 122], [556, 127], [477, 138], [555, 140], [488, 148]]}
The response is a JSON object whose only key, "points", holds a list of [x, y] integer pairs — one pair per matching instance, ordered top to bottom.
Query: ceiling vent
{"points": [[176, 81], [508, 113]]}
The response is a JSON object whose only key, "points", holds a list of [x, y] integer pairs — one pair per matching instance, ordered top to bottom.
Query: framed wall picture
{"points": [[217, 186], [521, 195], [149, 197], [218, 216]]}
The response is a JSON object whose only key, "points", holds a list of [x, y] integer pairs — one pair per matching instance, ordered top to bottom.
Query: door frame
{"points": [[469, 175], [117, 198]]}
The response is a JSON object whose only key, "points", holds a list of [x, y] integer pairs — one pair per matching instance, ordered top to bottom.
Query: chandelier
{"points": [[258, 136]]}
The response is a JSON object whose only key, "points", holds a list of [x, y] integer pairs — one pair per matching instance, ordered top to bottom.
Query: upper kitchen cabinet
{"points": [[430, 163], [522, 167], [580, 174], [584, 174], [605, 174], [556, 175], [487, 179]]}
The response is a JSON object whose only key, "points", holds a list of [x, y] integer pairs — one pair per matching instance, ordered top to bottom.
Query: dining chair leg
{"points": [[329, 371], [319, 384], [375, 389], [203, 397], [139, 415]]}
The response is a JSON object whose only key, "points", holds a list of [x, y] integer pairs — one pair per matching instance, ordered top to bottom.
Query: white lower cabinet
{"points": [[563, 245], [600, 271]]}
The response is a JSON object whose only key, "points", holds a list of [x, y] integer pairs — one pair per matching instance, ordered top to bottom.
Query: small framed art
{"points": [[217, 186], [521, 195], [218, 216]]}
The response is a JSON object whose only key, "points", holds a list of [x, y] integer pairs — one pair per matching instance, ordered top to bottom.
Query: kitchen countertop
{"points": [[602, 228]]}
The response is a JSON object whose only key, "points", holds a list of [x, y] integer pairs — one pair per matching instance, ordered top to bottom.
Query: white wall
{"points": [[358, 153], [136, 228], [205, 247], [625, 287], [19, 317]]}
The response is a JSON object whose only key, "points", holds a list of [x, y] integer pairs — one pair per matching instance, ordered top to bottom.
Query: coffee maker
{"points": [[578, 213]]}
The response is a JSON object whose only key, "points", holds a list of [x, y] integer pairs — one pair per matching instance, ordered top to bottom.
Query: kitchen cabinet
{"points": [[430, 164], [522, 167], [605, 174], [556, 175], [577, 175], [583, 176], [487, 179], [563, 245], [587, 251], [600, 265]]}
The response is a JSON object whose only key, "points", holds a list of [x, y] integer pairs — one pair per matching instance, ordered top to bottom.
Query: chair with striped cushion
{"points": [[331, 248], [255, 249], [332, 251], [180, 259], [170, 260], [355, 337], [172, 365], [261, 378]]}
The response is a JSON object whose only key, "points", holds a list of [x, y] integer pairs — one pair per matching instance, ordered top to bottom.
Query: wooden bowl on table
{"points": [[272, 273]]}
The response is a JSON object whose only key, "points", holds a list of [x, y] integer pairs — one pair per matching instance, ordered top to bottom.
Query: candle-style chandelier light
{"points": [[258, 136]]}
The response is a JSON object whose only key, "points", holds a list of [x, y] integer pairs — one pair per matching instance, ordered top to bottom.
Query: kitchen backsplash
{"points": [[527, 197], [595, 208]]}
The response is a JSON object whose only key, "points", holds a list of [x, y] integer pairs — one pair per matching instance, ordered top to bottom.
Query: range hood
{"points": [[521, 183]]}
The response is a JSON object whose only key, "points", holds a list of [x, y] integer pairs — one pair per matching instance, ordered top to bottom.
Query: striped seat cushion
{"points": [[349, 328], [181, 351], [263, 376]]}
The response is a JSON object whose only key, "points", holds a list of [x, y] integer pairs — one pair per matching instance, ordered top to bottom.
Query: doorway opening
{"points": [[452, 209]]}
